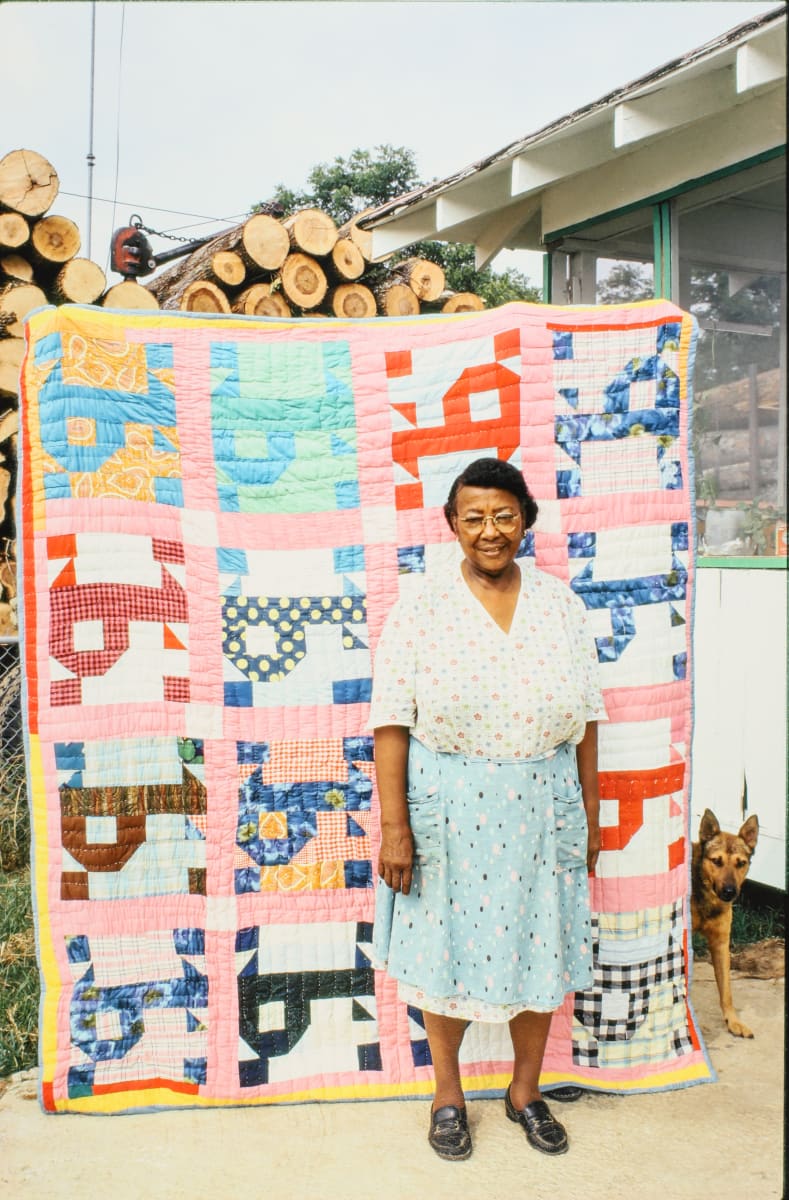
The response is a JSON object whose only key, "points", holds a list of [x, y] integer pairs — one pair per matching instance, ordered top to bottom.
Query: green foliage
{"points": [[368, 178], [346, 186], [457, 260], [626, 282], [500, 287], [740, 324], [724, 356], [759, 525], [14, 814], [757, 915], [18, 969], [19, 987]]}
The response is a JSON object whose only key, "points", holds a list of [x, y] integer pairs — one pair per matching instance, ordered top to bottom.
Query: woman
{"points": [[485, 703]]}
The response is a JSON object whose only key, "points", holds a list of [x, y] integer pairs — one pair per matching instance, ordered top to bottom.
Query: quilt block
{"points": [[216, 515]]}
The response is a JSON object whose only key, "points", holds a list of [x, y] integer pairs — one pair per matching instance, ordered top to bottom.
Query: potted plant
{"points": [[761, 519]]}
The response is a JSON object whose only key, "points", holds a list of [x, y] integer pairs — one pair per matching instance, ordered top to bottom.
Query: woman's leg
{"points": [[529, 1033], [444, 1036]]}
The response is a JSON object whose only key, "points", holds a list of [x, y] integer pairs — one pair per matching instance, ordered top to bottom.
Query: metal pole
{"points": [[91, 157], [754, 473], [781, 495]]}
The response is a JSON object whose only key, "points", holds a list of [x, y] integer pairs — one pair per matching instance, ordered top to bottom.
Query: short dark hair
{"points": [[493, 473]]}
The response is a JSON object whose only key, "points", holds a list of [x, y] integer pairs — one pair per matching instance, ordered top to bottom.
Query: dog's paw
{"points": [[736, 1027]]}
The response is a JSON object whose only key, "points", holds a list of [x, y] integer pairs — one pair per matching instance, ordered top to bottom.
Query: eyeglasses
{"points": [[506, 522]]}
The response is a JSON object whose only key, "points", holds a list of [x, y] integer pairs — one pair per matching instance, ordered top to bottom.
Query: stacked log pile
{"points": [[39, 264], [300, 265], [303, 265]]}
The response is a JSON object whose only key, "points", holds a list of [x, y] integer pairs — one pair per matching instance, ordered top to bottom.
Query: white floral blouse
{"points": [[445, 669]]}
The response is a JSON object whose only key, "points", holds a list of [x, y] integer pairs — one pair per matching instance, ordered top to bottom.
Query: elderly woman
{"points": [[485, 703]]}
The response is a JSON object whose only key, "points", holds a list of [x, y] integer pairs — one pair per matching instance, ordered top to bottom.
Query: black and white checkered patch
{"points": [[617, 1003]]}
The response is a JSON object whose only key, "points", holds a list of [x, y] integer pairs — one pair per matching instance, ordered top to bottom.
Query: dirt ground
{"points": [[713, 1139]]}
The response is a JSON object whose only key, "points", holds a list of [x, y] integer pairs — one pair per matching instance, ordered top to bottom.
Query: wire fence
{"points": [[10, 696], [14, 818]]}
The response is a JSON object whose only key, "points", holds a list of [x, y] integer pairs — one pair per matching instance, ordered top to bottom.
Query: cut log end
{"points": [[28, 183], [14, 231], [311, 231], [361, 238], [55, 240], [264, 242], [347, 260], [14, 266], [228, 268], [425, 278], [80, 281], [303, 281], [129, 295], [203, 296], [19, 299], [352, 300], [398, 300], [245, 301], [259, 301], [463, 302], [274, 305], [11, 354]]}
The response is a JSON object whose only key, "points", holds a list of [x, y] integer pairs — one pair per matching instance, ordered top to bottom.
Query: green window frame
{"points": [[666, 284]]}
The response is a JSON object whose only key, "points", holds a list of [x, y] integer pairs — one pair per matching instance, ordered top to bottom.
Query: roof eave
{"points": [[447, 209]]}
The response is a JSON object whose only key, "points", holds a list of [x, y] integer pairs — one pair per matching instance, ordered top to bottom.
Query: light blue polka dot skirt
{"points": [[499, 906]]}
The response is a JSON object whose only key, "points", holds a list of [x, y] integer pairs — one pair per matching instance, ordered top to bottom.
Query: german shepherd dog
{"points": [[719, 865]]}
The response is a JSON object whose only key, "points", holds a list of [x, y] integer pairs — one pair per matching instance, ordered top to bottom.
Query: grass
{"points": [[14, 815], [759, 913], [18, 975], [19, 987]]}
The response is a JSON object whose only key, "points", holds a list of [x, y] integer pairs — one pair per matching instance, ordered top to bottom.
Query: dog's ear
{"points": [[709, 826], [750, 832]]}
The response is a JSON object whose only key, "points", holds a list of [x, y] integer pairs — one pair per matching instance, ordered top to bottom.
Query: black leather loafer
{"points": [[567, 1094], [543, 1131], [449, 1135]]}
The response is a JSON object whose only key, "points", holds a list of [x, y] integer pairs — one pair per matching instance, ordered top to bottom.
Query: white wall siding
{"points": [[740, 708]]}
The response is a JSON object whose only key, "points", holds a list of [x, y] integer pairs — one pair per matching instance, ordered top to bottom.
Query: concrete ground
{"points": [[722, 1139]]}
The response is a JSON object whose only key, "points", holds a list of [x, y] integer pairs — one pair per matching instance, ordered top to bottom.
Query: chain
{"points": [[137, 222]]}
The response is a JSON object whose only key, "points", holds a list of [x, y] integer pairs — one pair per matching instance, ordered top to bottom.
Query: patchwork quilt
{"points": [[216, 515]]}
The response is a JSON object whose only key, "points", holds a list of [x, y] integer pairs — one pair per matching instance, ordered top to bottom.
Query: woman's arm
{"points": [[586, 755], [396, 856]]}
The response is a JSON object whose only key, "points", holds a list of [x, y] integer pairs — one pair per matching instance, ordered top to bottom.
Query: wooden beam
{"points": [[761, 61], [668, 108], [722, 140], [545, 164], [487, 192], [402, 231], [498, 233], [583, 278], [561, 284]]}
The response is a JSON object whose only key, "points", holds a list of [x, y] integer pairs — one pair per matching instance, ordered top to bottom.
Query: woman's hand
{"points": [[592, 844], [396, 858]]}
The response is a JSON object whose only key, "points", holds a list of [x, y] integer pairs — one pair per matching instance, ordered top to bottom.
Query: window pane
{"points": [[610, 261], [732, 277], [620, 280]]}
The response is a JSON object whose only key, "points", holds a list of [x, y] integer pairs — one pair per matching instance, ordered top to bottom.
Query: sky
{"points": [[195, 111]]}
